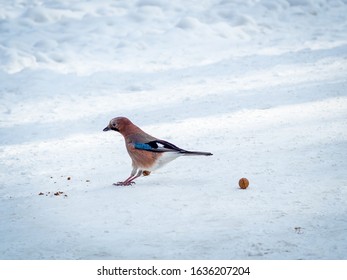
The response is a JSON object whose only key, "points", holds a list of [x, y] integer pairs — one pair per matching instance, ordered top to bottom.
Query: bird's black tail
{"points": [[193, 153]]}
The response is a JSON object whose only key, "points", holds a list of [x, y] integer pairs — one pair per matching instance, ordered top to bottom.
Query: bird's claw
{"points": [[124, 184]]}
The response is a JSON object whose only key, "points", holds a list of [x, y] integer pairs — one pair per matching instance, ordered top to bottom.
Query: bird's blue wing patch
{"points": [[143, 146], [158, 146]]}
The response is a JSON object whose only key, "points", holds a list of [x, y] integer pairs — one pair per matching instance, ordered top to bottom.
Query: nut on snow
{"points": [[243, 183]]}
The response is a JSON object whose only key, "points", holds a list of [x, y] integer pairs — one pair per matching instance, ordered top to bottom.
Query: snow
{"points": [[260, 84]]}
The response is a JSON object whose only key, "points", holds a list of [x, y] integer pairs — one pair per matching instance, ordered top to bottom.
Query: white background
{"points": [[260, 84]]}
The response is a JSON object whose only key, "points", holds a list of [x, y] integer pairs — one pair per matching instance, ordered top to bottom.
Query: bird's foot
{"points": [[124, 184]]}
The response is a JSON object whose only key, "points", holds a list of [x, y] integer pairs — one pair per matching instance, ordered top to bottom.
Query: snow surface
{"points": [[259, 83]]}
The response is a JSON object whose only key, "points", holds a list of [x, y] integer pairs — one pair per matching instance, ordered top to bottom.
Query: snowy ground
{"points": [[260, 84]]}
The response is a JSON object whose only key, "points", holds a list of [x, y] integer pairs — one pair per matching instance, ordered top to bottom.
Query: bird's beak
{"points": [[106, 128]]}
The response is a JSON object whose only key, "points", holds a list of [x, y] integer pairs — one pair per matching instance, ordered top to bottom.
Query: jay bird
{"points": [[147, 152]]}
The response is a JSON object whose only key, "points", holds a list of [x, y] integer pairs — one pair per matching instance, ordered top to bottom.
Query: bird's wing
{"points": [[158, 146]]}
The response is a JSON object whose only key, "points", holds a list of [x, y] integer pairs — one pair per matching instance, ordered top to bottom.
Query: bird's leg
{"points": [[126, 181], [129, 181]]}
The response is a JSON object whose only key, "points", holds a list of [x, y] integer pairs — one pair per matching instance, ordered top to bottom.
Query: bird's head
{"points": [[118, 124]]}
